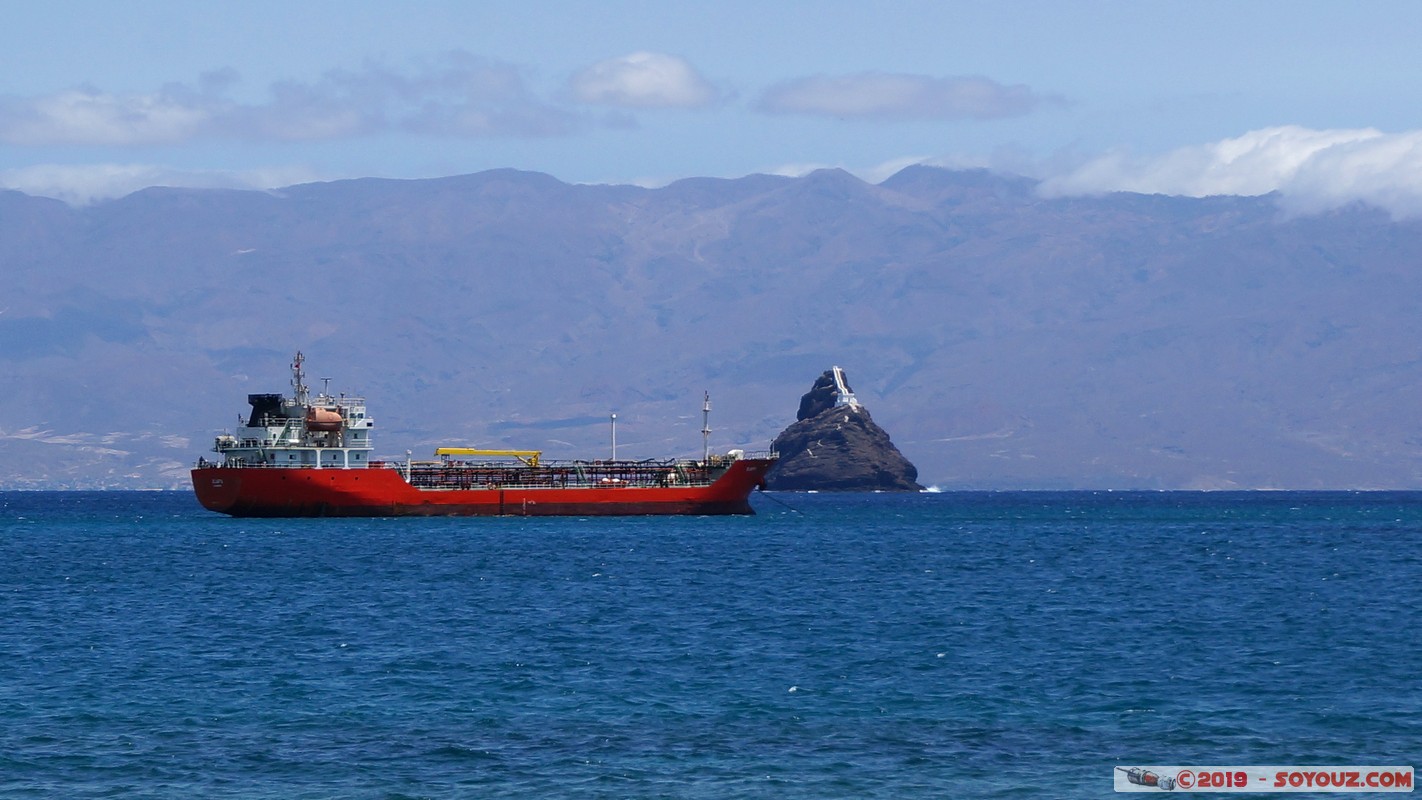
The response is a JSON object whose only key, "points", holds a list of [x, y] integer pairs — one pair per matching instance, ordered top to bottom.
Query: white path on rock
{"points": [[845, 397]]}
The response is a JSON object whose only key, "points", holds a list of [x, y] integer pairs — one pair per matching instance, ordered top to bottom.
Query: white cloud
{"points": [[643, 80], [458, 95], [880, 95], [88, 116], [1256, 163], [1312, 170], [1384, 171], [82, 184]]}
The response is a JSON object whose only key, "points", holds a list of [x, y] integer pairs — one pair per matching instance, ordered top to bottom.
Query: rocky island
{"points": [[835, 445]]}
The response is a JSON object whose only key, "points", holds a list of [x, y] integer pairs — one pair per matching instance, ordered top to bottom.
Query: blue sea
{"points": [[953, 645]]}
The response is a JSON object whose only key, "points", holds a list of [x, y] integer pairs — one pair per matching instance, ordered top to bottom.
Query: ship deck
{"points": [[559, 475]]}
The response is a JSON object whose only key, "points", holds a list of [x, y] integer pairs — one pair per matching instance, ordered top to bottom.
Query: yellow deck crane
{"points": [[529, 457]]}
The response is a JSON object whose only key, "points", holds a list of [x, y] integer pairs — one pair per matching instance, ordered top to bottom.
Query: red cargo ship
{"points": [[310, 457]]}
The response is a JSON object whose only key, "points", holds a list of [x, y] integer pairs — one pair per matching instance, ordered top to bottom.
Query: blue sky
{"points": [[1318, 101]]}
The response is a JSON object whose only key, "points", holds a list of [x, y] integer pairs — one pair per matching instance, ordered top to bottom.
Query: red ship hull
{"points": [[383, 492]]}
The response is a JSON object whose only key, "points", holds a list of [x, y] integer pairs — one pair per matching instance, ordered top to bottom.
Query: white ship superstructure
{"points": [[324, 432]]}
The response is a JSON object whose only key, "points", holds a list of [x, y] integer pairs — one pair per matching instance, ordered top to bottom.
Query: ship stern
{"points": [[216, 488]]}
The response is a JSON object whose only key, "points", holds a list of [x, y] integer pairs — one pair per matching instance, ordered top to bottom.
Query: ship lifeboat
{"points": [[323, 419]]}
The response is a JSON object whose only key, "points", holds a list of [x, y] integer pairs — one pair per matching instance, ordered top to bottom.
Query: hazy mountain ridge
{"points": [[1005, 340]]}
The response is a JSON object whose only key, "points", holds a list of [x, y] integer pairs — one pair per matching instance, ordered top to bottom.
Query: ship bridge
{"points": [[326, 431]]}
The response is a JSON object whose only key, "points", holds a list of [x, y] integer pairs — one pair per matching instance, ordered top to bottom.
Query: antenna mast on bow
{"points": [[706, 428]]}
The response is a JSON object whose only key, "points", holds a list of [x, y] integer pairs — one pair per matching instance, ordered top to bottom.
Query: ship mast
{"points": [[298, 380], [706, 428]]}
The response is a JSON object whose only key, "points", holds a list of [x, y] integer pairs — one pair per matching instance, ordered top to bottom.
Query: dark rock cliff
{"points": [[835, 445]]}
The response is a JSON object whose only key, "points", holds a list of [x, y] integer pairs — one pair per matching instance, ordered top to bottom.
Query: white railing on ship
{"points": [[343, 401], [404, 465]]}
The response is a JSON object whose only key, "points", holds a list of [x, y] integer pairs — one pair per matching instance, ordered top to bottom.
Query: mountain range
{"points": [[1006, 340]]}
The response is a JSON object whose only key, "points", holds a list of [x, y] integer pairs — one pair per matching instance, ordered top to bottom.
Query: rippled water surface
{"points": [[857, 646]]}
